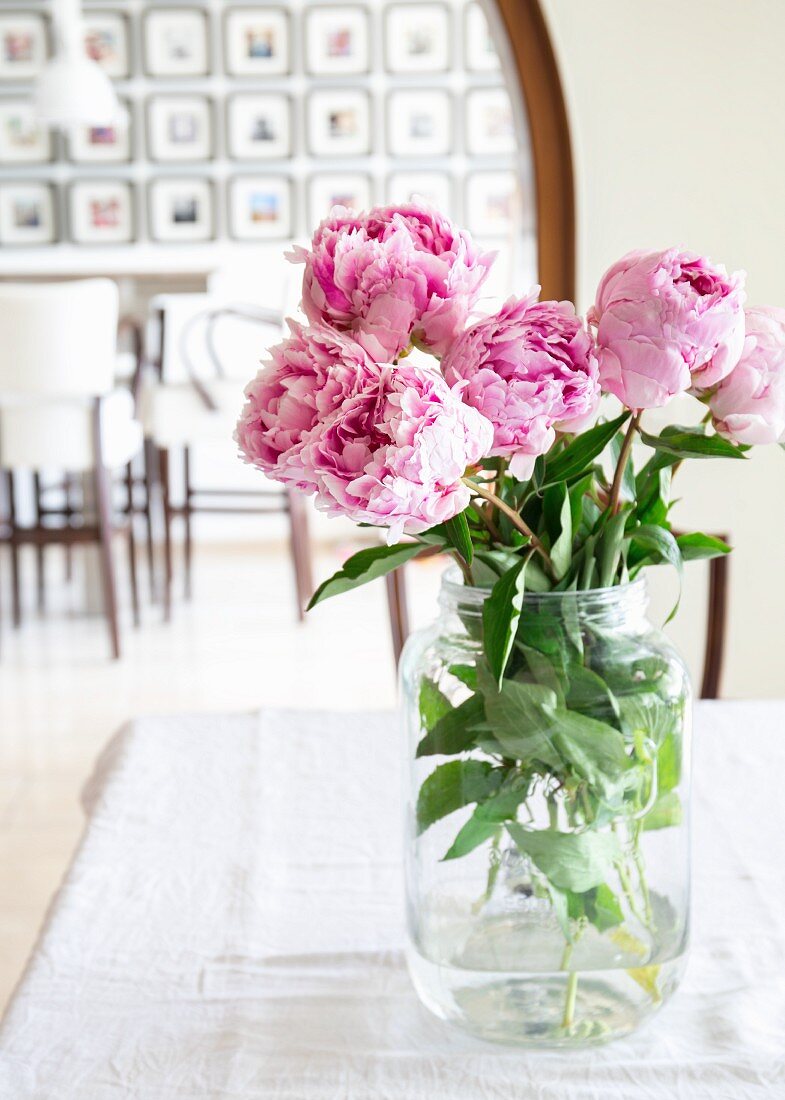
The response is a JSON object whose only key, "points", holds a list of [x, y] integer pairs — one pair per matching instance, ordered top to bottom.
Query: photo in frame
{"points": [[418, 38], [337, 40], [257, 41], [107, 42], [176, 42], [23, 45], [481, 53], [339, 122], [419, 122], [258, 126], [490, 127], [179, 128], [23, 140], [102, 144], [434, 188], [353, 190], [493, 203], [260, 208], [181, 210], [101, 211], [27, 214]]}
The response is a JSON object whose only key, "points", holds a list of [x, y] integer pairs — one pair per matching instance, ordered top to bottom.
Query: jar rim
{"points": [[455, 591]]}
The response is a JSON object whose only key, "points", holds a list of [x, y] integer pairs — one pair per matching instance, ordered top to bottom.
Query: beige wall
{"points": [[677, 111]]}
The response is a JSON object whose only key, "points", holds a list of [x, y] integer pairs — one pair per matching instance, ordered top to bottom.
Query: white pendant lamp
{"points": [[72, 90]]}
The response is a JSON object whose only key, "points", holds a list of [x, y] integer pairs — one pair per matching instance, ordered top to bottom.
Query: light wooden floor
{"points": [[237, 646]]}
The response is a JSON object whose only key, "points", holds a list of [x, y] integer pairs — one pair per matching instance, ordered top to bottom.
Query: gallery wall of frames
{"points": [[248, 122]]}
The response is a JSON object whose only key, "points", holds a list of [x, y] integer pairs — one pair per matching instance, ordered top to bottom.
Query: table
{"points": [[231, 928]]}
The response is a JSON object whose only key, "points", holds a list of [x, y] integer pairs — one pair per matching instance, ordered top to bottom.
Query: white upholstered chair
{"points": [[59, 411]]}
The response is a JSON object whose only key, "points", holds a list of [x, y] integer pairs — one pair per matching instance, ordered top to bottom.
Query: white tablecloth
{"points": [[231, 927]]}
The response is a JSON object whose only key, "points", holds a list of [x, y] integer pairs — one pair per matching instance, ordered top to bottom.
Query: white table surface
{"points": [[231, 927]]}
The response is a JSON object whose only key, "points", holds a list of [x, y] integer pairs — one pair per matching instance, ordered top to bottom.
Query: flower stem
{"points": [[624, 455], [515, 519], [465, 568], [568, 1017]]}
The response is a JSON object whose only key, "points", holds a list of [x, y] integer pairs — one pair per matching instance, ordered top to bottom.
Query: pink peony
{"points": [[391, 276], [666, 322], [529, 369], [306, 378], [748, 406], [395, 452]]}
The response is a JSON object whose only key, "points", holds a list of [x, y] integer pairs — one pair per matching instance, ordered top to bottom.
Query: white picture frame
{"points": [[418, 38], [337, 40], [107, 41], [257, 41], [176, 42], [23, 45], [480, 53], [339, 122], [419, 123], [490, 125], [258, 126], [179, 128], [23, 140], [102, 144], [434, 188], [328, 189], [493, 203], [260, 208], [181, 210], [101, 211], [27, 214]]}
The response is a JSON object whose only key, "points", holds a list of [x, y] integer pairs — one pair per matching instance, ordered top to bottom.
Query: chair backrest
{"points": [[58, 339]]}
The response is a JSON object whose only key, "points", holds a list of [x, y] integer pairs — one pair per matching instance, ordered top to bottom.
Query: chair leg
{"points": [[129, 482], [149, 492], [68, 510], [104, 510], [167, 510], [187, 513], [300, 547], [40, 563], [16, 597], [399, 612]]}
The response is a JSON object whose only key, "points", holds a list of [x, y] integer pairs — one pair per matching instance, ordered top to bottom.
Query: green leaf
{"points": [[691, 442], [576, 457], [558, 518], [458, 535], [663, 543], [698, 545], [608, 550], [367, 565], [500, 615], [467, 674], [588, 692], [434, 704], [521, 717], [454, 732], [594, 750], [669, 764], [454, 785], [666, 811], [486, 819], [571, 861], [603, 909]]}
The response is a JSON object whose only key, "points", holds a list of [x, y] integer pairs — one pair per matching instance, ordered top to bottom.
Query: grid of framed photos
{"points": [[248, 121]]}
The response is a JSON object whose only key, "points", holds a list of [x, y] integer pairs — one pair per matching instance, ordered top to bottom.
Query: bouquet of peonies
{"points": [[496, 453]]}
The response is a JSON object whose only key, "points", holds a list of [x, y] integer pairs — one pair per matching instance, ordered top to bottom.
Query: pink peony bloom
{"points": [[390, 276], [666, 322], [530, 369], [306, 378], [748, 406], [395, 452]]}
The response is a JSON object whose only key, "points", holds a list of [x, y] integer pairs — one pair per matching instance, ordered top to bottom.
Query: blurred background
{"points": [[156, 160]]}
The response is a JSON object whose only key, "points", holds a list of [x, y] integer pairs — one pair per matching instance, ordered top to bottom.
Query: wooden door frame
{"points": [[531, 50]]}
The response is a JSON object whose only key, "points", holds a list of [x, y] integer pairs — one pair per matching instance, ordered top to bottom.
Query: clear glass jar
{"points": [[560, 916]]}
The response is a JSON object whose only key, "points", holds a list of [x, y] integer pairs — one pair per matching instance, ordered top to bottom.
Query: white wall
{"points": [[677, 112]]}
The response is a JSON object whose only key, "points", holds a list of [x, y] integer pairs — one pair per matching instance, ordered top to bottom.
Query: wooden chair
{"points": [[59, 411], [716, 621]]}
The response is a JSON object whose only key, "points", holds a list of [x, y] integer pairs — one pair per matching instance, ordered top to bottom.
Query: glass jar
{"points": [[547, 846]]}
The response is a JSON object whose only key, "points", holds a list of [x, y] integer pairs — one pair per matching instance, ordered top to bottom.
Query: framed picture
{"points": [[418, 38], [106, 41], [257, 41], [337, 41], [176, 42], [23, 45], [481, 53], [339, 122], [419, 123], [258, 126], [179, 128], [490, 129], [23, 140], [102, 144], [435, 188], [351, 189], [492, 203], [260, 208], [181, 210], [101, 212], [27, 214]]}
